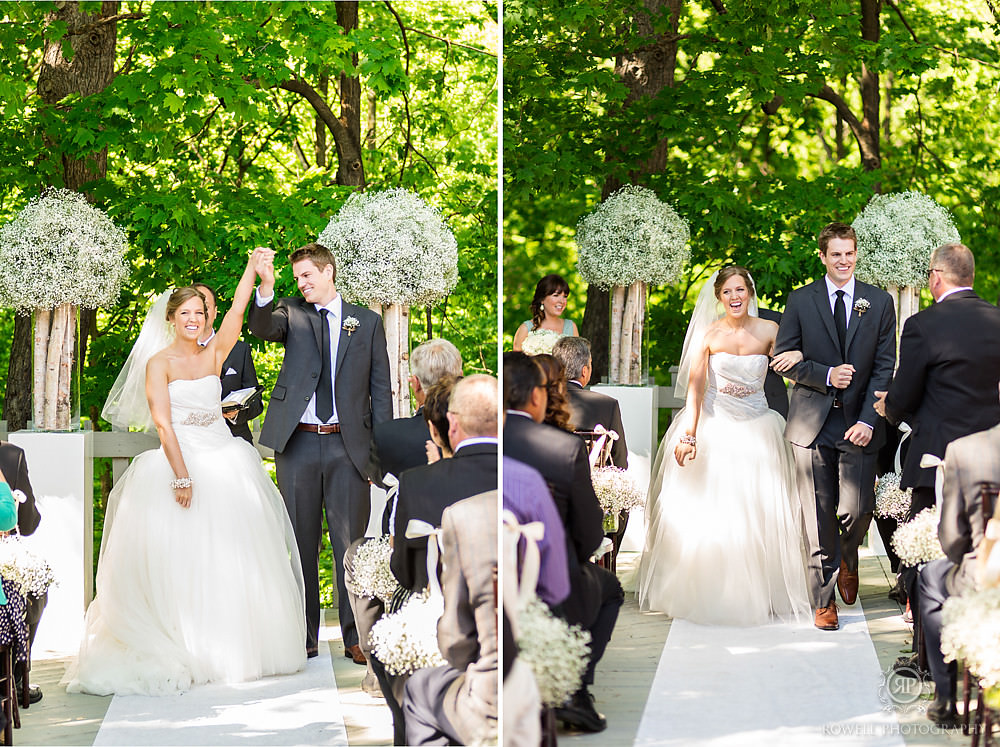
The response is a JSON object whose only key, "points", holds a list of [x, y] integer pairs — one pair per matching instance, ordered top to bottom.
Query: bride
{"points": [[723, 527], [198, 578]]}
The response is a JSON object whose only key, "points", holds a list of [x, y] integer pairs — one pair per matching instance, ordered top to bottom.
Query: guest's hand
{"points": [[785, 361], [840, 376], [880, 403], [859, 434], [433, 452]]}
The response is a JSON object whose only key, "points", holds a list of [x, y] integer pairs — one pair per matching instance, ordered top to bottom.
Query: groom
{"points": [[846, 332], [332, 387]]}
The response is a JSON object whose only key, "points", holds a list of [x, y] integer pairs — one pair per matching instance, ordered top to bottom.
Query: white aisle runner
{"points": [[773, 685], [299, 709]]}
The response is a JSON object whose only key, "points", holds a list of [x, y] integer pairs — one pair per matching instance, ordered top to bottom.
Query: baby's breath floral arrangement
{"points": [[896, 234], [630, 240], [393, 249], [59, 253], [540, 341], [616, 490], [891, 501], [917, 541], [30, 573], [372, 575], [970, 629], [406, 640], [556, 652]]}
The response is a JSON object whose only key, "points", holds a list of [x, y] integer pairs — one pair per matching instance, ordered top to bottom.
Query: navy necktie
{"points": [[840, 322], [324, 389]]}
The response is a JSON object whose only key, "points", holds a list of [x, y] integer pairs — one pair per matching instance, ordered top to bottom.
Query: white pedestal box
{"points": [[61, 468]]}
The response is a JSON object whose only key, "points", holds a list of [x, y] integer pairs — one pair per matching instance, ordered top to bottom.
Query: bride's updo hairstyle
{"points": [[727, 272], [546, 287], [180, 296]]}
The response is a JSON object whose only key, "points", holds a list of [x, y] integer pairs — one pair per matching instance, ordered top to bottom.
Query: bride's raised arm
{"points": [[232, 322], [159, 407], [687, 447]]}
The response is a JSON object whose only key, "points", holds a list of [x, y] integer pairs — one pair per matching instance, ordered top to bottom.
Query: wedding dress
{"points": [[723, 533], [208, 593]]}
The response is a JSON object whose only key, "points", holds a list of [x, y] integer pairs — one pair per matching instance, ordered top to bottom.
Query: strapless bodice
{"points": [[736, 384], [196, 403]]}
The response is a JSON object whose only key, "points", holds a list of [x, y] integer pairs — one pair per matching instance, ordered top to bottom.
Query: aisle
{"points": [[774, 685], [299, 709]]}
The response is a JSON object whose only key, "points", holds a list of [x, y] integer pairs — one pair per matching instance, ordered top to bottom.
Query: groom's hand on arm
{"points": [[859, 434]]}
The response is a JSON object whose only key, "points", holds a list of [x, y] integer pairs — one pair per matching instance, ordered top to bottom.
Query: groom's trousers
{"points": [[316, 477], [836, 485]]}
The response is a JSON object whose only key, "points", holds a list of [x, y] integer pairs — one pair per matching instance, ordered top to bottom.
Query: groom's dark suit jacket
{"points": [[807, 325], [361, 377], [946, 384], [561, 458], [425, 492]]}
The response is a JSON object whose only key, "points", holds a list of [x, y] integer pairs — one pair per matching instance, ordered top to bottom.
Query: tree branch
{"points": [[719, 7], [88, 27], [402, 30], [477, 50], [311, 95], [829, 95]]}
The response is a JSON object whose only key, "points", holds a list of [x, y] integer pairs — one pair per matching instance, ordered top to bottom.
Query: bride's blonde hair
{"points": [[727, 272]]}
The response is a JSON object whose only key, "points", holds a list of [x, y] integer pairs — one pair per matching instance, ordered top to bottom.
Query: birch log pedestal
{"points": [[61, 467]]}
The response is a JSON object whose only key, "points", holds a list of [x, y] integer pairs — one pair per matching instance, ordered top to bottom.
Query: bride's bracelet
{"points": [[689, 439], [181, 482]]}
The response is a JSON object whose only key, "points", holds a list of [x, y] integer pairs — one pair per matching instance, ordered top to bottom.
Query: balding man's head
{"points": [[472, 410]]}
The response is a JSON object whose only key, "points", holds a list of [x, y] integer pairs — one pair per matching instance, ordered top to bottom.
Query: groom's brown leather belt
{"points": [[322, 429]]}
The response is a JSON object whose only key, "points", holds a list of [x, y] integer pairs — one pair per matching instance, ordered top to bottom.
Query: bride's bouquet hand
{"points": [[784, 361]]}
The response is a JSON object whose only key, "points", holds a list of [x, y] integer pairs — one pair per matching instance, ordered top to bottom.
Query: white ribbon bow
{"points": [[906, 430], [597, 449], [929, 460], [416, 528], [519, 588]]}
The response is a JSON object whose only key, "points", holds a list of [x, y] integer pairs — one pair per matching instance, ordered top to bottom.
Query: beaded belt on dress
{"points": [[737, 390], [203, 418]]}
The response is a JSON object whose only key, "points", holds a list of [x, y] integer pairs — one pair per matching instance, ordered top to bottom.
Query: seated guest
{"points": [[590, 408], [557, 410], [436, 416], [561, 458], [969, 461], [14, 471], [424, 492], [526, 495], [457, 703]]}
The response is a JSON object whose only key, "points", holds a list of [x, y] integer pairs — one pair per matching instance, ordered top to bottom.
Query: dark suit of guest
{"points": [[238, 372], [946, 383], [775, 389], [592, 408], [968, 461], [324, 471], [836, 478], [425, 492], [595, 594], [457, 703]]}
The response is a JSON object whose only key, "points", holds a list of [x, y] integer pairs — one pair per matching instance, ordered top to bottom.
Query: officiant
{"points": [[237, 372]]}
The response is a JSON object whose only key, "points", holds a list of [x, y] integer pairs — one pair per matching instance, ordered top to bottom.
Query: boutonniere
{"points": [[862, 305], [351, 324]]}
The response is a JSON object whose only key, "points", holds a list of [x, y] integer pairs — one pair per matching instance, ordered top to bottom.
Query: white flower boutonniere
{"points": [[862, 305], [351, 324]]}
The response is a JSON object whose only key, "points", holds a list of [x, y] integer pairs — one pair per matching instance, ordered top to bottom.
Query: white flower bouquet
{"points": [[896, 234], [632, 236], [392, 248], [540, 341], [616, 490], [891, 501], [917, 541], [30, 573], [372, 575], [970, 629], [406, 640], [556, 652]]}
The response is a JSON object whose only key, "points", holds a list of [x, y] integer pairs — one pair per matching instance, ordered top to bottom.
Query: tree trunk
{"points": [[646, 70], [89, 71], [868, 140], [350, 167], [396, 320]]}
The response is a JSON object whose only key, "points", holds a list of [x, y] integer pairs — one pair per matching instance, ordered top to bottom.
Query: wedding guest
{"points": [[547, 307], [238, 371], [945, 386], [589, 408], [557, 412], [436, 417], [561, 458], [969, 461], [14, 471], [526, 495], [457, 703]]}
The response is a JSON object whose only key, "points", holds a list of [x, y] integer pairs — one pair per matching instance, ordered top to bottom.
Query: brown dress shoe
{"points": [[847, 584], [826, 617], [354, 652]]}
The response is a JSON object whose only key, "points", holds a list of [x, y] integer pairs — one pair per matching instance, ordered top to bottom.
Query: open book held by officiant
{"points": [[241, 399]]}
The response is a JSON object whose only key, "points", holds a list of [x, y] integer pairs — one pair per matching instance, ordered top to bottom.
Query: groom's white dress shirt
{"points": [[831, 291]]}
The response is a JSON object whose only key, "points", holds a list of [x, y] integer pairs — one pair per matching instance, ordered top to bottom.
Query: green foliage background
{"points": [[755, 188]]}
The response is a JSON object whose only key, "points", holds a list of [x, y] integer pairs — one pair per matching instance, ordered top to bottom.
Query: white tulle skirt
{"points": [[723, 533], [210, 593]]}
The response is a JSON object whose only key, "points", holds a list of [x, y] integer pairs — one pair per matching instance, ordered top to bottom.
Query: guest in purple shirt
{"points": [[526, 495]]}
